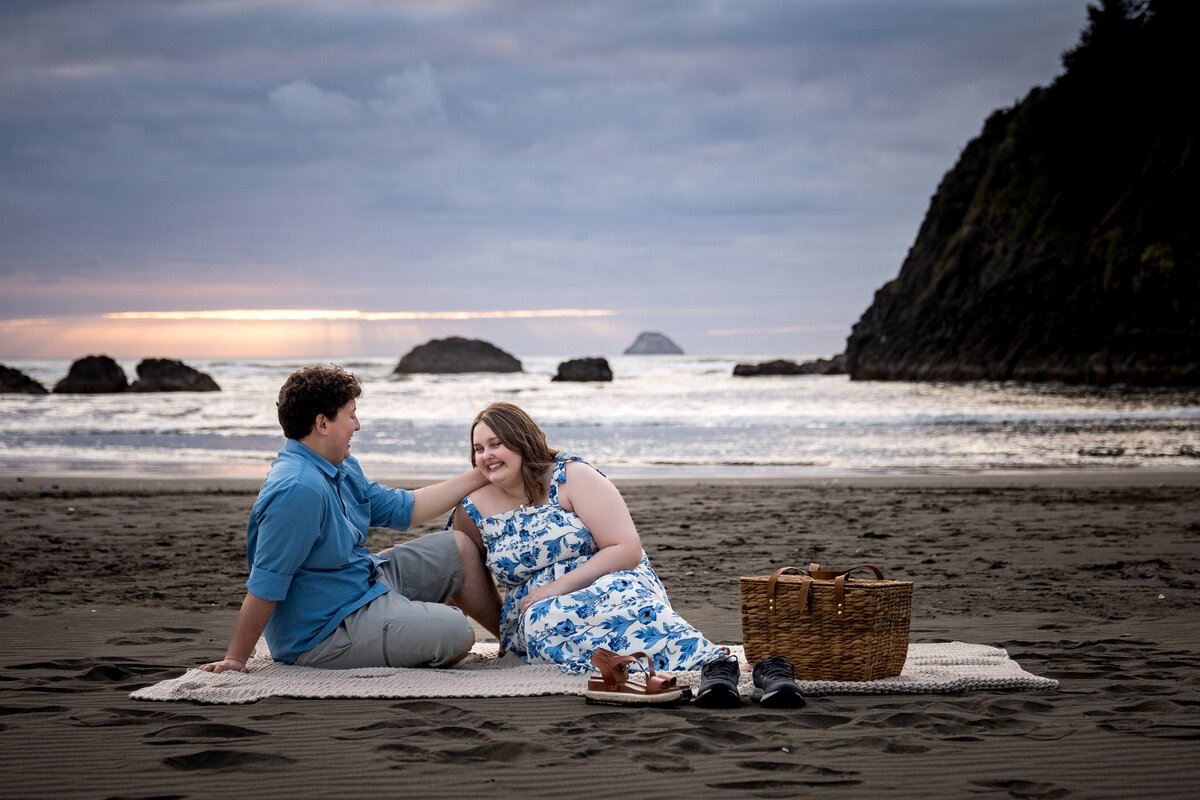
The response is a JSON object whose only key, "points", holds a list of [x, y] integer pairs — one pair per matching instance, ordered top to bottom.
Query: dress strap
{"points": [[559, 475], [472, 512]]}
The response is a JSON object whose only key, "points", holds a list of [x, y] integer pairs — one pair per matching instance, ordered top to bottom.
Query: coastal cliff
{"points": [[1063, 245]]}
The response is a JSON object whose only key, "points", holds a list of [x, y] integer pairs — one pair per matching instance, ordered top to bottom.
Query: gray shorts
{"points": [[409, 626]]}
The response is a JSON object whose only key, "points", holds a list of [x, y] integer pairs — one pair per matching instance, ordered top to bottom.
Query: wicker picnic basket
{"points": [[830, 626]]}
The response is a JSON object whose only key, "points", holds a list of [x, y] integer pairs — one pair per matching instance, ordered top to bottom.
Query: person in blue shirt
{"points": [[317, 594]]}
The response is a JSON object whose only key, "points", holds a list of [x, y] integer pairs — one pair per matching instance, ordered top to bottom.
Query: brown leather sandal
{"points": [[616, 687]]}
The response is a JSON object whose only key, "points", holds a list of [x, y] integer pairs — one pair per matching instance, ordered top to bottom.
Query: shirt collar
{"points": [[297, 448]]}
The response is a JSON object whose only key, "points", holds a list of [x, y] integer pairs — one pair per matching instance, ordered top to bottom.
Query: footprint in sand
{"points": [[157, 636], [126, 641], [116, 670], [116, 673], [1008, 707], [6, 710], [116, 717], [269, 717], [819, 721], [380, 729], [443, 730], [1165, 730], [458, 732], [188, 733], [691, 740], [892, 746], [399, 751], [498, 752], [228, 761], [662, 762], [823, 774], [779, 788], [1026, 790]]}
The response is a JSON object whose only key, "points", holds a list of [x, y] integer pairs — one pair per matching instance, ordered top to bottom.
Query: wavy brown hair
{"points": [[311, 391], [517, 431]]}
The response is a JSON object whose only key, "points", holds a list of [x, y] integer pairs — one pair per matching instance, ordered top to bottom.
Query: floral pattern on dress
{"points": [[625, 611]]}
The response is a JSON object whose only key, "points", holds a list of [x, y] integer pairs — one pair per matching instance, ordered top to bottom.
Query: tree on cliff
{"points": [[1062, 245]]}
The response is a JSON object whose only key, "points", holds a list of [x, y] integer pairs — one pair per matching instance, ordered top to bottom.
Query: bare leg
{"points": [[478, 598]]}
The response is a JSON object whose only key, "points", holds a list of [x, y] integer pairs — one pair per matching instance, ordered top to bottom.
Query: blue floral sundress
{"points": [[623, 611]]}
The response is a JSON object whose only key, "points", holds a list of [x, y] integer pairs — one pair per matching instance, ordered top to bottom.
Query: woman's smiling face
{"points": [[493, 458]]}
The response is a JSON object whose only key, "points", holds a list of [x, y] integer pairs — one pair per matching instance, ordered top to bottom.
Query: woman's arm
{"points": [[602, 509], [462, 522]]}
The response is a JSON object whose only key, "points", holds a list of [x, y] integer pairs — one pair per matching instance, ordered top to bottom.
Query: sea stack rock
{"points": [[1062, 246], [653, 343], [455, 355], [822, 366], [776, 367], [584, 369], [93, 375], [167, 375], [13, 381]]}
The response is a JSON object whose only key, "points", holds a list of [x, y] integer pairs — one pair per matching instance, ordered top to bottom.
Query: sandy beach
{"points": [[1086, 577]]}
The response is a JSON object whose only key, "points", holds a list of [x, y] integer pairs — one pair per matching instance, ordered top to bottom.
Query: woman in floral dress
{"points": [[560, 541]]}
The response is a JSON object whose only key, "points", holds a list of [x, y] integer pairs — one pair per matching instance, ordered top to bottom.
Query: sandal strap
{"points": [[614, 670], [656, 684]]}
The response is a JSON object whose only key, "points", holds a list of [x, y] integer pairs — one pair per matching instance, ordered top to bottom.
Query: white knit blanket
{"points": [[929, 669]]}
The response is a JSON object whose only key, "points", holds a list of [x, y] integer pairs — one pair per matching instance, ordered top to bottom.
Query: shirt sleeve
{"points": [[390, 508], [288, 525]]}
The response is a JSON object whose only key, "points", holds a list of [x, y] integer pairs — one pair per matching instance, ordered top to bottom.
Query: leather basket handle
{"points": [[814, 572], [829, 574], [804, 587]]}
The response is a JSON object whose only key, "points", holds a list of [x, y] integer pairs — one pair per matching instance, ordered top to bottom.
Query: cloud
{"points": [[411, 97], [304, 102], [771, 155]]}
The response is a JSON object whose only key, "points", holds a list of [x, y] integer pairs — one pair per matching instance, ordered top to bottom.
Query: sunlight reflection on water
{"points": [[662, 415]]}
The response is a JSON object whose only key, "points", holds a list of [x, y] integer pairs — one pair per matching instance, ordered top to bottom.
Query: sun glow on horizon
{"points": [[300, 314], [250, 333]]}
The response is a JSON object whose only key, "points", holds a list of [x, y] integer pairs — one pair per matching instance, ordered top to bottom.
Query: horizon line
{"points": [[305, 314], [310, 314]]}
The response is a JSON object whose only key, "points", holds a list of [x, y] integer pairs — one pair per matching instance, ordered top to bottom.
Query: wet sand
{"points": [[1090, 578]]}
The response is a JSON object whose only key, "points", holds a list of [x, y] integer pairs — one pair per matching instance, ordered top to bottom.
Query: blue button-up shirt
{"points": [[306, 545]]}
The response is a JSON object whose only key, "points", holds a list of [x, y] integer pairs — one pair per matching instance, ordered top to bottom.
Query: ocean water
{"points": [[662, 416]]}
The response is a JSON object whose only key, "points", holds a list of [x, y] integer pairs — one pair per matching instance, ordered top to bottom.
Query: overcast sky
{"points": [[741, 176]]}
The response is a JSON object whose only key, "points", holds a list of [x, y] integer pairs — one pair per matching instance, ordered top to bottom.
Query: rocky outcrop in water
{"points": [[1063, 245], [653, 343], [457, 355], [821, 366], [584, 369], [93, 375], [167, 375], [13, 381]]}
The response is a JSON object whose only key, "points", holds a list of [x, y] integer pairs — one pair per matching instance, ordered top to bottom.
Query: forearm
{"points": [[438, 499], [614, 558], [251, 621]]}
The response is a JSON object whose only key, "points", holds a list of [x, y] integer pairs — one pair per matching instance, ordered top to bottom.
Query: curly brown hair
{"points": [[311, 391], [517, 431]]}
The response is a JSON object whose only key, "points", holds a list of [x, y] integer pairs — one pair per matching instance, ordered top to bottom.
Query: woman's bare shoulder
{"points": [[582, 471], [582, 480], [488, 500]]}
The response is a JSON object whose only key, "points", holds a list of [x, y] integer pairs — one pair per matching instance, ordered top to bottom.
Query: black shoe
{"points": [[719, 684], [775, 684]]}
